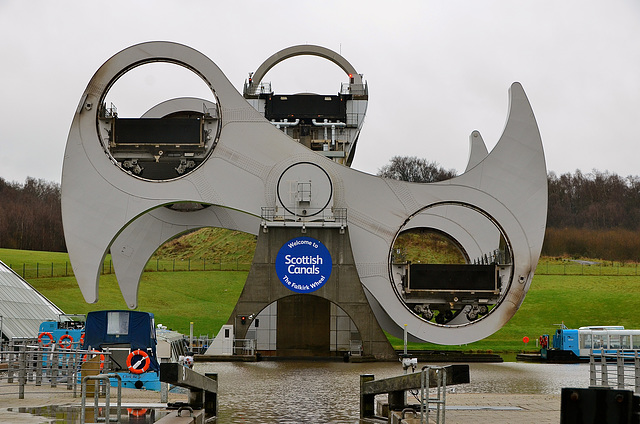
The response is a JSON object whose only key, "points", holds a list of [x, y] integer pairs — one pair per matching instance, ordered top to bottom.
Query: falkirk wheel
{"points": [[237, 163]]}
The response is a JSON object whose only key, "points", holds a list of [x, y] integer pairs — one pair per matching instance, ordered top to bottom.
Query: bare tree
{"points": [[415, 170], [598, 200], [30, 216]]}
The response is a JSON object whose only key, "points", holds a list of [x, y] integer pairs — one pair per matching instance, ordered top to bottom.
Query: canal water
{"points": [[291, 392], [328, 392]]}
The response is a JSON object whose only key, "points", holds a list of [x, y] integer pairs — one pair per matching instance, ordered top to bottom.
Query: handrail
{"points": [[327, 217], [497, 256], [246, 346], [38, 365], [620, 366], [395, 387], [96, 394], [440, 397]]}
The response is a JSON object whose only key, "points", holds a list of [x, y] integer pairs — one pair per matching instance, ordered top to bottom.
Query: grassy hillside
{"points": [[210, 244], [419, 246], [14, 257], [208, 297], [175, 298], [572, 299]]}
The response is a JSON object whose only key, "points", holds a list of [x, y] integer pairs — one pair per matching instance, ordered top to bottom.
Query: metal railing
{"points": [[262, 88], [347, 88], [309, 217], [495, 257], [547, 266], [63, 269], [30, 270], [200, 344], [244, 347], [355, 347], [39, 367], [619, 369], [101, 380], [396, 387], [439, 397]]}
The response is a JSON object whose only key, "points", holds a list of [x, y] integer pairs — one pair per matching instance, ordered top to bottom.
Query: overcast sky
{"points": [[436, 70]]}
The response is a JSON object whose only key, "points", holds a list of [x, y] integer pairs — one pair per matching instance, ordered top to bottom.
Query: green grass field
{"points": [[207, 298], [552, 299]]}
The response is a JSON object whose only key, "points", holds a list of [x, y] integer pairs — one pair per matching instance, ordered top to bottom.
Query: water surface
{"points": [[328, 392]]}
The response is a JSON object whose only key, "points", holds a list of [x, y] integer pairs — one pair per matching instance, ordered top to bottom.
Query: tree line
{"points": [[596, 201], [596, 214], [31, 216]]}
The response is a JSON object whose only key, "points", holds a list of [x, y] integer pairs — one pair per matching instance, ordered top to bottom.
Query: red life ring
{"points": [[45, 333], [68, 345], [84, 358], [134, 368], [137, 412]]}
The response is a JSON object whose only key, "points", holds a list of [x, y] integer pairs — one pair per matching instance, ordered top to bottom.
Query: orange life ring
{"points": [[45, 333], [65, 336], [81, 339], [84, 358], [134, 368], [137, 412]]}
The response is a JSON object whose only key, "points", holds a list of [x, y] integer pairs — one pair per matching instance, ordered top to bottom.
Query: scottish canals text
{"points": [[293, 264]]}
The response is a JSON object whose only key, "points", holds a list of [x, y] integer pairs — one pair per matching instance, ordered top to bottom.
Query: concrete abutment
{"points": [[303, 322]]}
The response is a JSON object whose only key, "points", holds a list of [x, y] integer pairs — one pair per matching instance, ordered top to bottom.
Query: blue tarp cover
{"points": [[140, 333]]}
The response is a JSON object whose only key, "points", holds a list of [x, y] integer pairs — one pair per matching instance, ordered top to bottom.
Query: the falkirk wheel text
{"points": [[240, 162]]}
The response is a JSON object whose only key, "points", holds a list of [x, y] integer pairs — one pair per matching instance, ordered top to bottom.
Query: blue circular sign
{"points": [[303, 264]]}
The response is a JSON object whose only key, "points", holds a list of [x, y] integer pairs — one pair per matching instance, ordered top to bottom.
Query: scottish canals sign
{"points": [[303, 264]]}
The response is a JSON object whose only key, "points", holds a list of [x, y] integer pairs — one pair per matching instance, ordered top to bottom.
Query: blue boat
{"points": [[66, 332], [130, 338], [575, 345]]}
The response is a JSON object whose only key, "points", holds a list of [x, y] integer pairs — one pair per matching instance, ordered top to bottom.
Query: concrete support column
{"points": [[343, 287]]}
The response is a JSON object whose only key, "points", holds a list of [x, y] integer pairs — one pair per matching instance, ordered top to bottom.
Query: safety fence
{"points": [[606, 268], [63, 269], [29, 270], [199, 344], [244, 347], [43, 369], [619, 369]]}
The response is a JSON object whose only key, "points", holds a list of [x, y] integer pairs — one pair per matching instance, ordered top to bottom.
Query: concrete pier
{"points": [[303, 320], [39, 396], [498, 409]]}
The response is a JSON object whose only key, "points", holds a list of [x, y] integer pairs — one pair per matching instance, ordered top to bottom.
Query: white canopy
{"points": [[22, 307]]}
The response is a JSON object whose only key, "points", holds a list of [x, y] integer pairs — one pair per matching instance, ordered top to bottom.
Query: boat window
{"points": [[118, 323], [585, 341], [597, 341], [636, 341], [614, 342], [625, 342]]}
